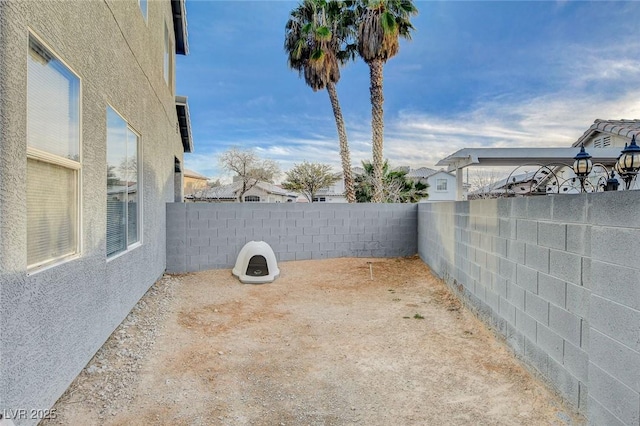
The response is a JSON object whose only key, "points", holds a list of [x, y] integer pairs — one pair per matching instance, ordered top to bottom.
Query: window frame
{"points": [[56, 160], [446, 185], [254, 199], [140, 226]]}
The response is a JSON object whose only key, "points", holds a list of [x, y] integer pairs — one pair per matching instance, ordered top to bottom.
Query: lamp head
{"points": [[582, 164]]}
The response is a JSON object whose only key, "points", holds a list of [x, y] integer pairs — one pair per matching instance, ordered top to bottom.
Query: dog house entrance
{"points": [[256, 263], [257, 266]]}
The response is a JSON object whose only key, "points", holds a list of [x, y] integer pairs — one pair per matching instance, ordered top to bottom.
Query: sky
{"points": [[475, 74]]}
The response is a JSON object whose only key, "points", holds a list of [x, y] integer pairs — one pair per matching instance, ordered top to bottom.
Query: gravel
{"points": [[108, 382]]}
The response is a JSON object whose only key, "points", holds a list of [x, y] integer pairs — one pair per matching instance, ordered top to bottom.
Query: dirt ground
{"points": [[322, 345]]}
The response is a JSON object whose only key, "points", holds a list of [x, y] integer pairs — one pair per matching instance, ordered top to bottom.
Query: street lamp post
{"points": [[628, 163], [582, 166]]}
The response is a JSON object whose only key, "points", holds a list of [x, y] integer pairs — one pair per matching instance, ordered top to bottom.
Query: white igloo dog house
{"points": [[256, 264]]}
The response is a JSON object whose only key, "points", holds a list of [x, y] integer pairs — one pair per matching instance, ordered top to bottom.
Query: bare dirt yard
{"points": [[322, 345]]}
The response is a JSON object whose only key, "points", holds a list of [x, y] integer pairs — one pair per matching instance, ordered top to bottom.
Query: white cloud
{"points": [[585, 84], [418, 139]]}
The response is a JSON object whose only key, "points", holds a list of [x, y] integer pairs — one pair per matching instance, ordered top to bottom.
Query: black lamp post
{"points": [[629, 162], [582, 165], [612, 183]]}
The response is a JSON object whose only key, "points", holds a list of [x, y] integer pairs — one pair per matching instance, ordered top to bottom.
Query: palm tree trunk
{"points": [[377, 126], [345, 156]]}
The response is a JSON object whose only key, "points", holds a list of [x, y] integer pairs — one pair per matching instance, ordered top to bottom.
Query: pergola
{"points": [[494, 157]]}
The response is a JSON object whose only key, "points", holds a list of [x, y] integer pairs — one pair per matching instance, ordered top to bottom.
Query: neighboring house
{"points": [[90, 121], [606, 134], [609, 134], [602, 135], [604, 140], [193, 182], [515, 184], [442, 185], [262, 192], [332, 194]]}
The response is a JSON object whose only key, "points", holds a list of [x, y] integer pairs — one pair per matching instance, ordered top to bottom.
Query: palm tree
{"points": [[381, 23], [317, 43], [396, 187]]}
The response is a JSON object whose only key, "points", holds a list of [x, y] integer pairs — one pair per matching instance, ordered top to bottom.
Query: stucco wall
{"points": [[204, 236], [558, 278], [54, 320]]}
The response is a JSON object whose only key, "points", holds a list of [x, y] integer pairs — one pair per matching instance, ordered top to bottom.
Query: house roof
{"points": [[180, 26], [184, 123], [626, 128], [521, 156], [357, 170], [441, 171], [422, 172], [194, 175], [229, 192], [326, 192]]}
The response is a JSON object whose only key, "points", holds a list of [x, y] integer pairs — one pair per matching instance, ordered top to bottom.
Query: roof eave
{"points": [[180, 26], [184, 123]]}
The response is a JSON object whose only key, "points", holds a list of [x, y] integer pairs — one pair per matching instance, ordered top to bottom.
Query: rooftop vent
{"points": [[256, 264]]}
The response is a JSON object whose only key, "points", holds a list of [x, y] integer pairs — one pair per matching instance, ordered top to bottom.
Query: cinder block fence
{"points": [[210, 235], [557, 276]]}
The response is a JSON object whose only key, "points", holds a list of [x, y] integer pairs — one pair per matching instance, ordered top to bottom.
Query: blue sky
{"points": [[476, 74]]}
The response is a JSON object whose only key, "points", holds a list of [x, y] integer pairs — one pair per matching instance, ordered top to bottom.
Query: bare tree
{"points": [[249, 168], [308, 178], [213, 183], [482, 183], [396, 187]]}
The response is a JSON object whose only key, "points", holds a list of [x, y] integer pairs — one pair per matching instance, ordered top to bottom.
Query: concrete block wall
{"points": [[204, 236], [556, 276]]}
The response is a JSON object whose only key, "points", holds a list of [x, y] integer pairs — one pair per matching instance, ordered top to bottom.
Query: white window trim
{"points": [[37, 154], [44, 156], [446, 184], [140, 241], [124, 252]]}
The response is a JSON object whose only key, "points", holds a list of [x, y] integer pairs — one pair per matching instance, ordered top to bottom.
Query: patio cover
{"points": [[493, 157]]}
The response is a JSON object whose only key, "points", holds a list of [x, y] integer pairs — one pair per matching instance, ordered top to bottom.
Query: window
{"points": [[143, 8], [53, 158], [441, 184], [123, 190], [251, 199], [319, 199]]}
